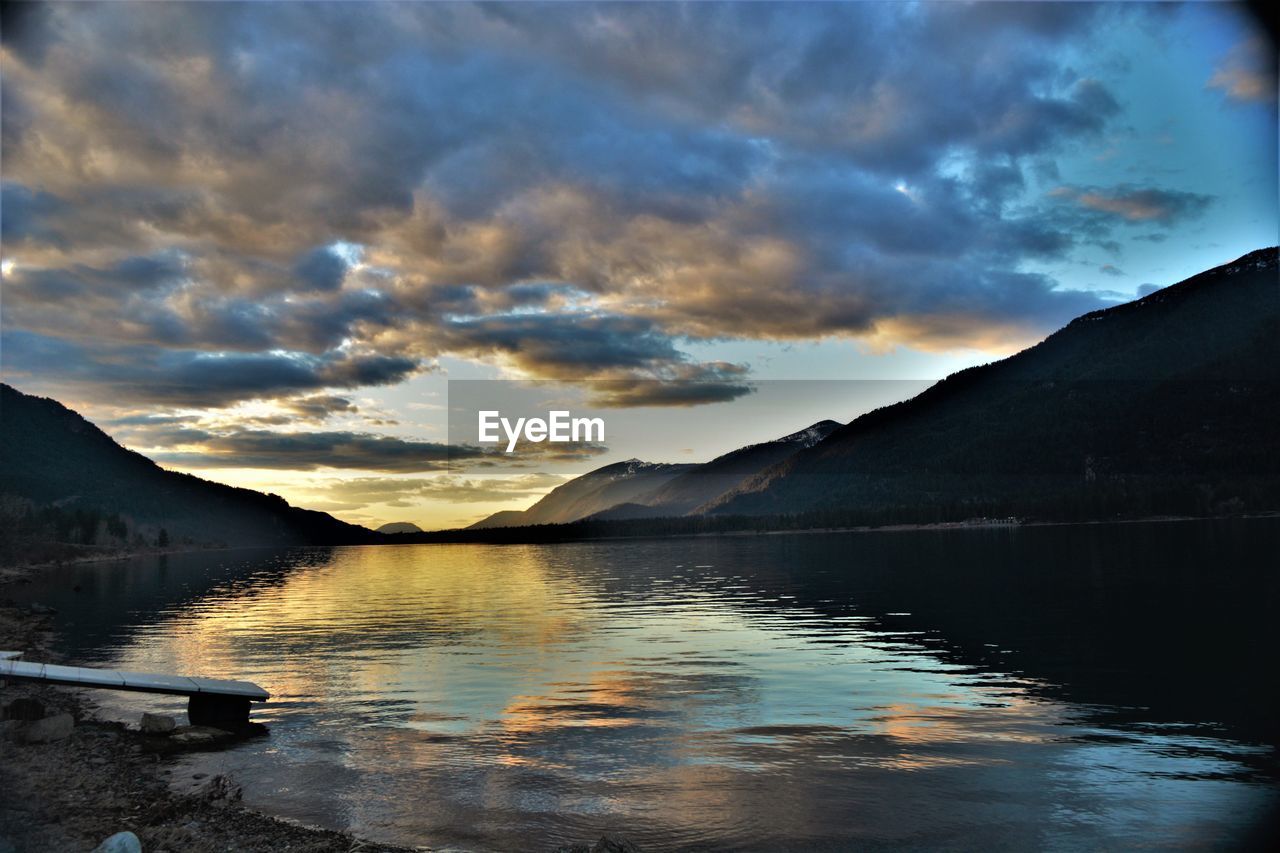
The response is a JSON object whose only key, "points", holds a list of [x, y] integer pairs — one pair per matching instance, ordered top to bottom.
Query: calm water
{"points": [[1062, 687]]}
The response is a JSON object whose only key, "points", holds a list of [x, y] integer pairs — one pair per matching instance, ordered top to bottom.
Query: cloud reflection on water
{"points": [[734, 693]]}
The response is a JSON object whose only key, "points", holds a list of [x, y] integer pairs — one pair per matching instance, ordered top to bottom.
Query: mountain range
{"points": [[1167, 405], [619, 483], [635, 489]]}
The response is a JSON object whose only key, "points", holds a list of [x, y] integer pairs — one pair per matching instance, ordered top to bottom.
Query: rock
{"points": [[42, 610], [24, 708], [157, 724], [48, 730], [198, 735], [220, 791], [121, 842]]}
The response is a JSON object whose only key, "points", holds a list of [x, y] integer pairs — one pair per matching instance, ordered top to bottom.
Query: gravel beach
{"points": [[84, 783]]}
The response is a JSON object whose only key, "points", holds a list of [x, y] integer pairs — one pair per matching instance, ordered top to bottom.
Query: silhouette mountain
{"points": [[1165, 405], [60, 465], [621, 482], [702, 483], [635, 489], [400, 527]]}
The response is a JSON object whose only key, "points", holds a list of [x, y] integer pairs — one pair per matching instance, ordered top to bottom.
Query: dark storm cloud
{"points": [[22, 29], [836, 76], [575, 191], [28, 214], [932, 216], [321, 269], [533, 294], [157, 300], [578, 345], [600, 349], [184, 377], [689, 385], [674, 393], [319, 406], [219, 447], [306, 451]]}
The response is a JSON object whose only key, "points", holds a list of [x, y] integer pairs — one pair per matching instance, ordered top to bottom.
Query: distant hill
{"points": [[1165, 405], [61, 475], [621, 482], [635, 489], [684, 493], [502, 518], [400, 527]]}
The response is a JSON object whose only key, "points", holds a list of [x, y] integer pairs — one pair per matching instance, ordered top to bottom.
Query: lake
{"points": [[1053, 687]]}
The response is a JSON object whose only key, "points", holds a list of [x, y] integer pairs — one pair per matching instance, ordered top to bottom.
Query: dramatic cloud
{"points": [[573, 191], [208, 204], [1137, 205], [322, 269], [603, 348], [142, 374], [696, 385], [318, 407], [248, 437], [306, 451]]}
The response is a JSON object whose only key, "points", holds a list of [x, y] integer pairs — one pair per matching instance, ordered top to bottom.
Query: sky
{"points": [[257, 242]]}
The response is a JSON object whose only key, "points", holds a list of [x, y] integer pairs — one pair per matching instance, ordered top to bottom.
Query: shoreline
{"points": [[930, 527], [17, 573], [103, 778]]}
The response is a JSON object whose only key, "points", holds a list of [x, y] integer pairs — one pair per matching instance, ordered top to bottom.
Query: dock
{"points": [[211, 701]]}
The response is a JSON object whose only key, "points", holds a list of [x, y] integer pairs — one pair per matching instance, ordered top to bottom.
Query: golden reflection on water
{"points": [[386, 592], [472, 695]]}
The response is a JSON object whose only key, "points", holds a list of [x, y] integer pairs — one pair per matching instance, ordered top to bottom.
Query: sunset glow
{"points": [[266, 254]]}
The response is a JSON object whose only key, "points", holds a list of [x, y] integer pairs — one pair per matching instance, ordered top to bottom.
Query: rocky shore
{"points": [[69, 781]]}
